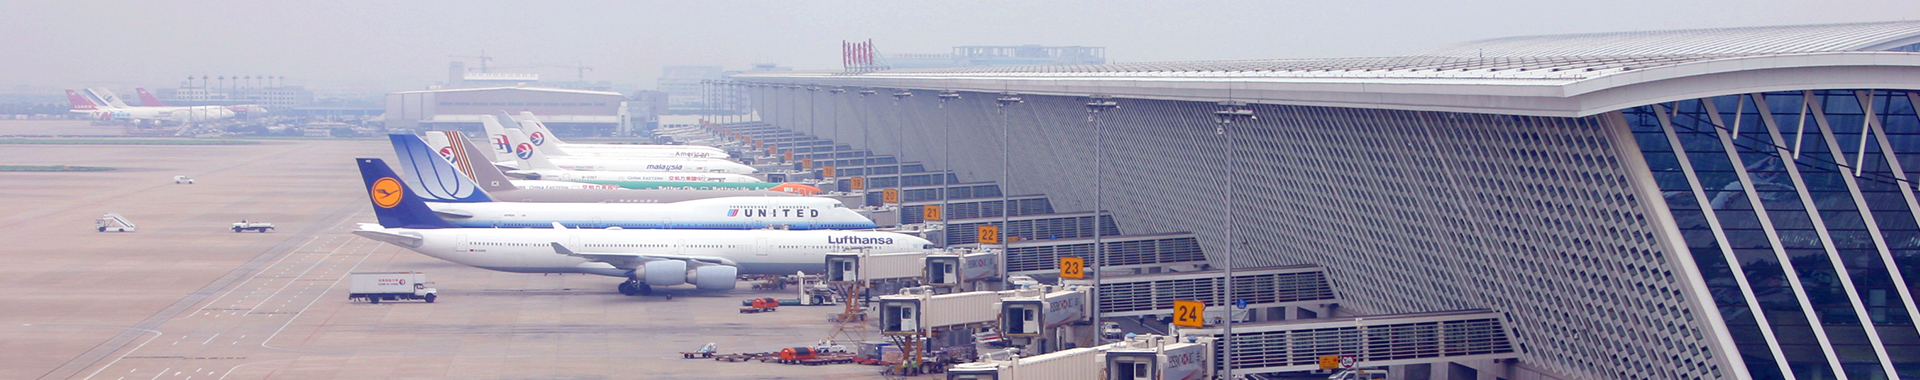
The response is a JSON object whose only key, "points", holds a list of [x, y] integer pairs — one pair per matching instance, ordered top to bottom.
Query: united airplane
{"points": [[708, 259]]}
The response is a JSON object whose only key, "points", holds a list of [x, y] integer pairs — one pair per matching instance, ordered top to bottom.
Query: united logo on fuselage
{"points": [[525, 151], [774, 213]]}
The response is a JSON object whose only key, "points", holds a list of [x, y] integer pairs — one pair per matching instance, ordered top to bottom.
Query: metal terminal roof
{"points": [[1873, 36], [1569, 75]]}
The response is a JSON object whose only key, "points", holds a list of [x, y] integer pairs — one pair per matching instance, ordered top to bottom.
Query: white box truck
{"points": [[389, 286]]}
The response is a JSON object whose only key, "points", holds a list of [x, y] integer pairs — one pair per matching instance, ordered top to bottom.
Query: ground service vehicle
{"points": [[180, 179], [115, 223], [244, 225], [390, 286], [759, 305]]}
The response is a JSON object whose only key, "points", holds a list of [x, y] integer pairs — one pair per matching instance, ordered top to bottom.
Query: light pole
{"points": [[1095, 105], [1233, 111], [811, 130], [833, 153], [946, 160], [866, 161], [900, 161], [1006, 177]]}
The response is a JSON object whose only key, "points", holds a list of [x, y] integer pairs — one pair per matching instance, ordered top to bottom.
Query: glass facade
{"points": [[1798, 209], [1802, 228]]}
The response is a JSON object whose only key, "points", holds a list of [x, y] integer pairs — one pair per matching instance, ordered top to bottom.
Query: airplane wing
{"points": [[397, 238], [633, 260]]}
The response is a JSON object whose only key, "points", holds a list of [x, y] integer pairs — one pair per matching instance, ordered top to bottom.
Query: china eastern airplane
{"points": [[106, 110], [544, 139], [440, 142], [523, 149], [462, 176], [471, 207], [709, 259]]}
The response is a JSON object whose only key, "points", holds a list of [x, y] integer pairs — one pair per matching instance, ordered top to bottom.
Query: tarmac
{"points": [[186, 298]]}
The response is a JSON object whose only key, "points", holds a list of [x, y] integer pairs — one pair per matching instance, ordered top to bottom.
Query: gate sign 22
{"points": [[1073, 267], [1188, 313]]}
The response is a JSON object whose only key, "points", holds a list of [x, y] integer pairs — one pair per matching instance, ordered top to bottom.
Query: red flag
{"points": [[846, 56]]}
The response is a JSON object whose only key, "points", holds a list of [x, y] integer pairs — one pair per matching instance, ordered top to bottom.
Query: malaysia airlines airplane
{"points": [[106, 109], [546, 141], [524, 150], [464, 169], [709, 259]]}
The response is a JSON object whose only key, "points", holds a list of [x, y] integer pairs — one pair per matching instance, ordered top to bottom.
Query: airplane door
{"points": [[460, 243], [680, 247], [760, 248], [908, 321]]}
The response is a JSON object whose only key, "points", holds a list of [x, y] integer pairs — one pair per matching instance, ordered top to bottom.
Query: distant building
{"points": [[1021, 55], [685, 92], [273, 98], [645, 109], [568, 112]]}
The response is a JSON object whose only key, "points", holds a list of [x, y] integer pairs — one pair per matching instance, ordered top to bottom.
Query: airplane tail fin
{"points": [[108, 97], [147, 99], [80, 103], [526, 117], [538, 135], [502, 145], [529, 156], [483, 172], [432, 177], [394, 204]]}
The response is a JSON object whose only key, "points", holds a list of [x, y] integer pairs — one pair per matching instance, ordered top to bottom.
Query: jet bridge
{"points": [[984, 208], [1030, 227], [1138, 253], [1268, 287], [1376, 340]]}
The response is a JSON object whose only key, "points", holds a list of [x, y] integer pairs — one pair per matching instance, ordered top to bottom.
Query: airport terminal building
{"points": [[1689, 204]]}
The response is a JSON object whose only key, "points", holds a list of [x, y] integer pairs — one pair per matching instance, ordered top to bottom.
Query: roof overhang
{"points": [[1560, 97]]}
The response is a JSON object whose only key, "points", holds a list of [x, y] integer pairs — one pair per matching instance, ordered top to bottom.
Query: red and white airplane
{"points": [[109, 107]]}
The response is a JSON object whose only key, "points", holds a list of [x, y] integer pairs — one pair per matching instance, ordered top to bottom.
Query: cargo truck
{"points": [[390, 286]]}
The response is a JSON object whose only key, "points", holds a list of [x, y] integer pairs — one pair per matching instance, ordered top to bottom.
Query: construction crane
{"points": [[483, 57], [580, 67]]}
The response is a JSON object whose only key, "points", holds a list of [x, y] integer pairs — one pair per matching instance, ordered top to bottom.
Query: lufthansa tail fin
{"points": [[147, 99], [80, 103], [431, 175], [488, 176], [394, 204]]}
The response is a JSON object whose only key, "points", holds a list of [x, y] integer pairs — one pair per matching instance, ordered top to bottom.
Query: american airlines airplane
{"points": [[107, 110], [544, 139], [524, 150], [462, 168], [709, 259]]}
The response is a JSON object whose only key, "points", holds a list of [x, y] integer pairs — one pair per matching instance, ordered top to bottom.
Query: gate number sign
{"points": [[1188, 313]]}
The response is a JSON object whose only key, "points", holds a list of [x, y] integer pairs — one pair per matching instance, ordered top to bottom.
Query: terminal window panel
{"points": [[1816, 270]]}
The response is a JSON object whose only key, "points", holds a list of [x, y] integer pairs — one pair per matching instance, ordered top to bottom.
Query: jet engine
{"points": [[664, 272], [714, 277]]}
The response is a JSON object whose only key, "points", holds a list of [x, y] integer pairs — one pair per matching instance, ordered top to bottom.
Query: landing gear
{"points": [[627, 288], [645, 290]]}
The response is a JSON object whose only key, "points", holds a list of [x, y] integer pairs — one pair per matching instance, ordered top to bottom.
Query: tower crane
{"points": [[483, 57]]}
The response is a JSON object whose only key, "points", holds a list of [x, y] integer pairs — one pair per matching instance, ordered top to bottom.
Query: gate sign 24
{"points": [[1188, 313]]}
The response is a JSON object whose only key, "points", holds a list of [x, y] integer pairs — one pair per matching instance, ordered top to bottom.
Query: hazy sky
{"points": [[390, 45]]}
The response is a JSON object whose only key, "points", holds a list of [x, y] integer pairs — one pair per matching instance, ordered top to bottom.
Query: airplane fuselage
{"points": [[799, 213], [529, 250]]}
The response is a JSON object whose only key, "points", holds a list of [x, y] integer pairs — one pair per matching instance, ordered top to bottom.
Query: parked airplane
{"points": [[147, 98], [105, 110], [544, 139], [437, 141], [524, 150], [535, 164], [467, 170], [709, 259]]}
